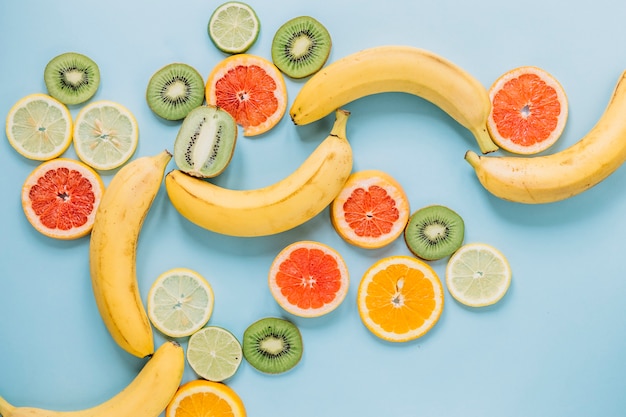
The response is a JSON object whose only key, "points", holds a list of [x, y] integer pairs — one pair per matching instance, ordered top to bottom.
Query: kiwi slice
{"points": [[301, 47], [72, 78], [174, 90], [205, 142], [434, 232], [272, 345]]}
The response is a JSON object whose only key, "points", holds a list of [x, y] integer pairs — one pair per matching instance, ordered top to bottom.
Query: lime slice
{"points": [[234, 27], [39, 127], [105, 134], [478, 275], [180, 302], [214, 353]]}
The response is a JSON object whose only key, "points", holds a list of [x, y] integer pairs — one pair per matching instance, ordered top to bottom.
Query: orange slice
{"points": [[251, 89], [529, 110], [60, 198], [371, 211], [308, 279], [400, 298], [202, 398]]}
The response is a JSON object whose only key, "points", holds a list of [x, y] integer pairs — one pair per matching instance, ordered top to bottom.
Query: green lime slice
{"points": [[234, 27], [180, 302], [214, 353]]}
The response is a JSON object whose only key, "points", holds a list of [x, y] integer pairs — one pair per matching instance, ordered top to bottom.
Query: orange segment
{"points": [[251, 89], [529, 110], [60, 198], [371, 211], [308, 279], [400, 298], [202, 398]]}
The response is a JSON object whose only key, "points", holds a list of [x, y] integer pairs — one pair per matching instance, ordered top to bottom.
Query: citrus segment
{"points": [[234, 27], [251, 89], [529, 110], [39, 127], [105, 134], [60, 198], [371, 211], [478, 275], [308, 279], [400, 298], [180, 302], [214, 353], [202, 398]]}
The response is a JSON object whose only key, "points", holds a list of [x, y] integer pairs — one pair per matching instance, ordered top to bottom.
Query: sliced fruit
{"points": [[234, 27], [72, 78], [251, 89], [175, 90], [529, 110], [39, 127], [105, 134], [60, 198], [371, 211], [434, 232], [478, 275], [309, 279], [400, 298], [180, 302], [272, 345], [214, 353], [202, 398]]}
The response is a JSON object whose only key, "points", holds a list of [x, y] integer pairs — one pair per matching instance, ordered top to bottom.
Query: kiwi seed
{"points": [[301, 47], [72, 78], [174, 90], [205, 142], [434, 232], [272, 345]]}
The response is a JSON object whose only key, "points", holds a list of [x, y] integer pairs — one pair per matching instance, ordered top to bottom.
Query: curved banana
{"points": [[397, 68], [554, 177], [272, 209], [112, 251], [147, 395]]}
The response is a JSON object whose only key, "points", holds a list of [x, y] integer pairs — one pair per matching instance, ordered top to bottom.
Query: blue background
{"points": [[554, 346]]}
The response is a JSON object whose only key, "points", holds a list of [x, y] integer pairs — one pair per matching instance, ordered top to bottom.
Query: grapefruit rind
{"points": [[521, 111], [364, 180], [281, 295]]}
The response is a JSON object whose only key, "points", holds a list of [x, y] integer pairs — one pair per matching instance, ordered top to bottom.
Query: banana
{"points": [[397, 68], [555, 177], [272, 209], [112, 251], [147, 395]]}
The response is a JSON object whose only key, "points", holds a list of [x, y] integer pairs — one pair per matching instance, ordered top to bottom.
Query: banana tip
{"points": [[473, 158]]}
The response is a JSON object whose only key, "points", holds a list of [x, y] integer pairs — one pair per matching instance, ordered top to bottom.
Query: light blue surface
{"points": [[554, 346]]}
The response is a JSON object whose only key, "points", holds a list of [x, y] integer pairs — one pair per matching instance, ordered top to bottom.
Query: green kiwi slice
{"points": [[301, 47], [72, 78], [174, 90], [205, 142], [434, 232], [272, 345]]}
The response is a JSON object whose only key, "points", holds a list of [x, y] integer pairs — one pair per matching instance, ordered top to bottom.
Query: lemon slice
{"points": [[233, 27], [39, 127], [105, 134], [478, 275], [180, 302], [214, 353]]}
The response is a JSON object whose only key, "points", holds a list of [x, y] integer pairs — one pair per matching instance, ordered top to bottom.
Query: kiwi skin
{"points": [[301, 47], [72, 78], [174, 90], [433, 248], [277, 333]]}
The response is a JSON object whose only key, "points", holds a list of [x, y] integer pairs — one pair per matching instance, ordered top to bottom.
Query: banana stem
{"points": [[341, 120], [485, 143], [5, 408]]}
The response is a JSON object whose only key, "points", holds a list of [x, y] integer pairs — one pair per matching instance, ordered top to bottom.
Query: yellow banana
{"points": [[397, 68], [554, 177], [272, 209], [112, 251], [146, 396]]}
